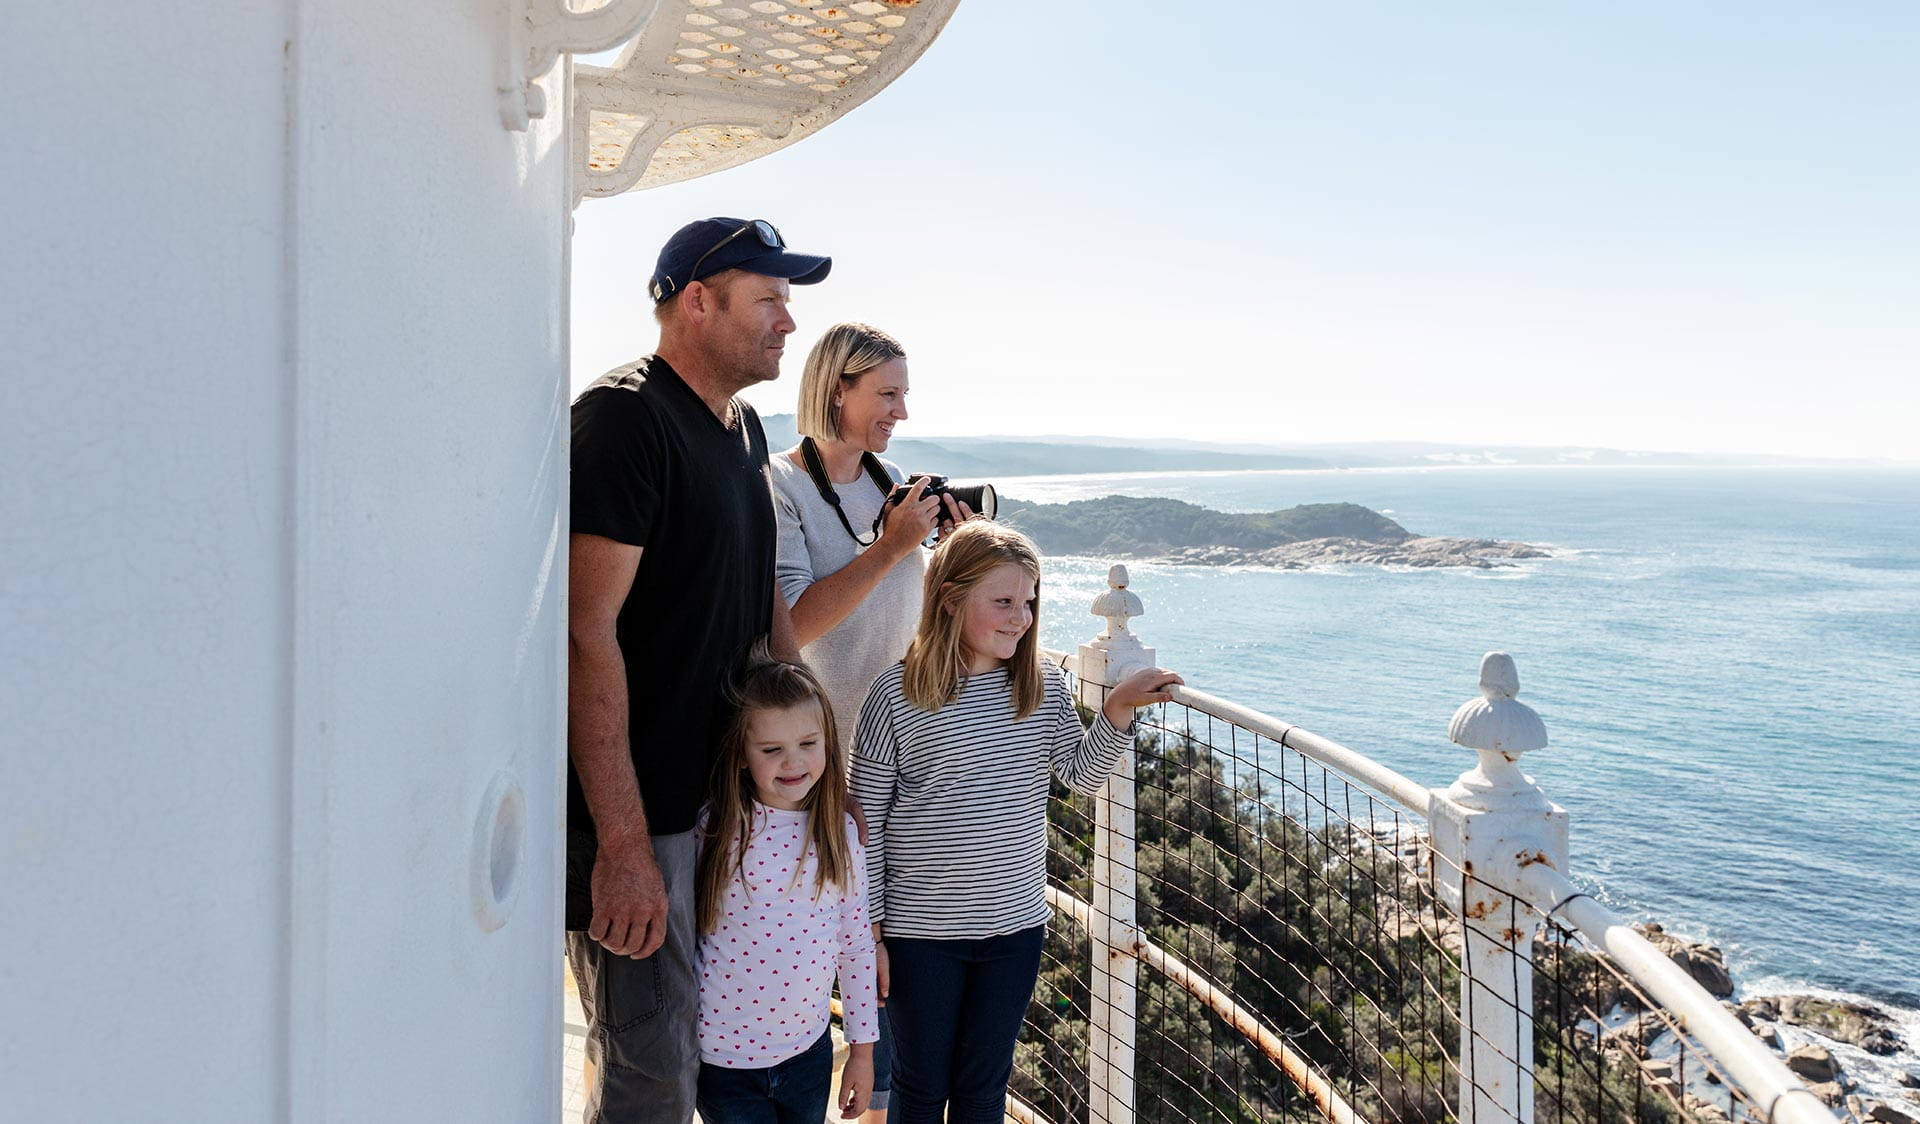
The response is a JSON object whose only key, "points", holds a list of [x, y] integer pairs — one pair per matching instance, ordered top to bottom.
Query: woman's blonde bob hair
{"points": [[843, 354], [937, 659]]}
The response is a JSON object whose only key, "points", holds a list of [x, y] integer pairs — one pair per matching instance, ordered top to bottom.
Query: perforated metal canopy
{"points": [[709, 84]]}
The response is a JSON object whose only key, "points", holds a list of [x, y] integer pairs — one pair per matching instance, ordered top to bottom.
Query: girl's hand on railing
{"points": [[1142, 688]]}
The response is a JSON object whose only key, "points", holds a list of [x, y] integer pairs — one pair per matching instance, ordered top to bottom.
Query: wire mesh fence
{"points": [[1301, 961], [1605, 1052]]}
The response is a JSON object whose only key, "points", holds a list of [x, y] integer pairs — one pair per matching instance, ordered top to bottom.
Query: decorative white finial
{"points": [[1117, 604], [1499, 679], [1497, 721], [1500, 728]]}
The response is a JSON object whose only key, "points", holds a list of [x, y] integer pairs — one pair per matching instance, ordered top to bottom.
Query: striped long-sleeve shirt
{"points": [[956, 802]]}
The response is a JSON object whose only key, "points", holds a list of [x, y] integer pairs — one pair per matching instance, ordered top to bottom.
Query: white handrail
{"points": [[1408, 793], [1781, 1097]]}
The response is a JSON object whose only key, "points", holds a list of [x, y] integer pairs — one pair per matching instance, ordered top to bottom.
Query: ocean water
{"points": [[1727, 661]]}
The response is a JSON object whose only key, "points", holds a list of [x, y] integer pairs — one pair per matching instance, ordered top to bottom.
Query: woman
{"points": [[849, 565], [853, 583]]}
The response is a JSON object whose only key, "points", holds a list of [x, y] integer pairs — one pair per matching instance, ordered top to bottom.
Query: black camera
{"points": [[979, 498]]}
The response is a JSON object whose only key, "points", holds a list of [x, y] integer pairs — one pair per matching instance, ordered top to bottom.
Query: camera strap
{"points": [[817, 469]]}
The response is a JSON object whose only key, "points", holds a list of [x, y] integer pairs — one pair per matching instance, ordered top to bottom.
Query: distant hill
{"points": [[995, 458], [1316, 534]]}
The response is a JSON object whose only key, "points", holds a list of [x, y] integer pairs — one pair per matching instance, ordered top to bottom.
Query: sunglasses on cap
{"points": [[765, 231]]}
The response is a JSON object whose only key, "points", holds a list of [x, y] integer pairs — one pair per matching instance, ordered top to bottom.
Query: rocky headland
{"points": [[1296, 538], [1852, 1023]]}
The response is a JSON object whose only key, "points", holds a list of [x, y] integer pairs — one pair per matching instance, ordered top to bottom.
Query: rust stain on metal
{"points": [[899, 3], [1535, 859], [1479, 910], [1511, 936]]}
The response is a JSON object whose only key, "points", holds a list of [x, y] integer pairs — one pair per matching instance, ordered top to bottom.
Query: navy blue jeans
{"points": [[956, 1008], [793, 1092]]}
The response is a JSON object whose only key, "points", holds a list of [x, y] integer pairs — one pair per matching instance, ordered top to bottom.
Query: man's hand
{"points": [[629, 900], [856, 1080]]}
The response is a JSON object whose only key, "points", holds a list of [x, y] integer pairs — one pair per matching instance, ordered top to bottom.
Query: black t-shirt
{"points": [[652, 467]]}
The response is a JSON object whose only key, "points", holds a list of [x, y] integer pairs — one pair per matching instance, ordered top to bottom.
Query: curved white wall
{"points": [[282, 500]]}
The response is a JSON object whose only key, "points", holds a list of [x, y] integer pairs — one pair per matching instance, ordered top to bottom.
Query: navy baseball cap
{"points": [[701, 249]]}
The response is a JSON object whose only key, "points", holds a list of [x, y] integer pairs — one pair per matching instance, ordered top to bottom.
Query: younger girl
{"points": [[951, 756], [782, 909]]}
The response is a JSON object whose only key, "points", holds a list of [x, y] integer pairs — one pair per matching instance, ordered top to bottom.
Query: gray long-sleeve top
{"points": [[814, 545]]}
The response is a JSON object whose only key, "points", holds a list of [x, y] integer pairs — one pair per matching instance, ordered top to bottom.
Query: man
{"points": [[672, 581]]}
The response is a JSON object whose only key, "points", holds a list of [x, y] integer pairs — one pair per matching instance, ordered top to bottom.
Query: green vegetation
{"points": [[1134, 525], [1320, 930]]}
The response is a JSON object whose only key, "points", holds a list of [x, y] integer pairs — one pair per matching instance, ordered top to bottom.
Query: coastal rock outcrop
{"points": [[1294, 538], [1420, 552], [1705, 963], [1857, 1024], [1635, 1035], [1815, 1063], [1829, 1092]]}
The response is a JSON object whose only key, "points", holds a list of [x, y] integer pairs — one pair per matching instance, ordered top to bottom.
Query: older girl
{"points": [[951, 760]]}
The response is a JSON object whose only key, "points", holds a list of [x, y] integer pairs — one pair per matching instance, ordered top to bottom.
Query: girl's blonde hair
{"points": [[843, 354], [936, 661], [768, 684]]}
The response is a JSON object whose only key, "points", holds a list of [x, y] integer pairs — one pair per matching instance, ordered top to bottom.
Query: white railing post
{"points": [[1103, 662], [1491, 825]]}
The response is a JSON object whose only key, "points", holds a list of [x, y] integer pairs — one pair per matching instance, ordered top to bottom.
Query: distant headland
{"points": [[997, 458], [1296, 538]]}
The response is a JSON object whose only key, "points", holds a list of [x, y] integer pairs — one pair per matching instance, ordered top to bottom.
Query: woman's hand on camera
{"points": [[909, 522]]}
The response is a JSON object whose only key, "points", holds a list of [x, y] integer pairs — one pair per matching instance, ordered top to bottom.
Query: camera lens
{"points": [[979, 497]]}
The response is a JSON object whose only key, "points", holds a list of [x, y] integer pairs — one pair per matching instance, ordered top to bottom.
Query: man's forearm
{"points": [[780, 640], [597, 741]]}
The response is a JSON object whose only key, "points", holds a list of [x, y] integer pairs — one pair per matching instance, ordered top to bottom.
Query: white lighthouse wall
{"points": [[282, 481], [430, 526], [144, 623]]}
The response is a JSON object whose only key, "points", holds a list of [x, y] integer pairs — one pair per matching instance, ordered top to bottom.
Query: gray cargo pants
{"points": [[642, 1015]]}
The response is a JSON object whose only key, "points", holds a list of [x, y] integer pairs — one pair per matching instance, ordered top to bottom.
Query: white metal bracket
{"points": [[538, 32], [707, 85], [666, 115]]}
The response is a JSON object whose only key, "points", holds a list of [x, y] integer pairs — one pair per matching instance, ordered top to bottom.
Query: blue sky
{"points": [[1651, 226]]}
